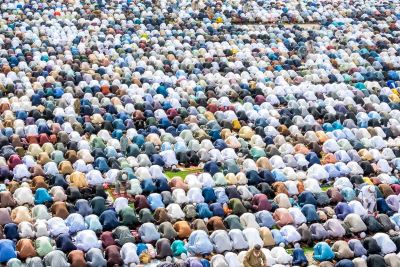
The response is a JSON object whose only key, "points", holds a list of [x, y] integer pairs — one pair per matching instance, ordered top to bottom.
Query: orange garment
{"points": [[301, 148], [328, 158], [177, 182], [280, 187], [300, 187], [282, 217], [183, 229], [25, 249], [77, 258]]}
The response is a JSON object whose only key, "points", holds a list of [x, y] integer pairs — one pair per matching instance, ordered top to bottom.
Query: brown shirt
{"points": [[71, 156], [65, 167], [37, 170], [39, 182], [12, 186], [280, 187], [300, 187], [386, 190], [335, 195], [6, 200], [141, 202], [59, 209], [161, 215], [5, 216], [215, 223], [199, 224], [183, 229], [267, 237], [107, 239], [25, 249], [342, 250], [113, 256], [77, 258]]}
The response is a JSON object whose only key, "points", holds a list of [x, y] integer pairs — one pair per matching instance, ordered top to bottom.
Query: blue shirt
{"points": [[42, 196], [155, 201], [265, 219], [109, 220], [75, 222], [11, 231], [278, 238], [199, 243], [7, 250], [323, 252], [298, 257]]}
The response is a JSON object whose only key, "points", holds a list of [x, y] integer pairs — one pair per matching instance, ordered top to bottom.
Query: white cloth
{"points": [[169, 158], [81, 166], [50, 168], [21, 171], [111, 176], [94, 177], [206, 180], [192, 181], [312, 185], [292, 187], [58, 193], [245, 193], [23, 195], [195, 195], [179, 196], [120, 203], [358, 208], [40, 212], [175, 212], [297, 215], [248, 220], [57, 226], [41, 228], [26, 230], [148, 232], [290, 234], [253, 237], [86, 240], [238, 240], [221, 241], [385, 243], [129, 255], [281, 256], [232, 259], [218, 260]]}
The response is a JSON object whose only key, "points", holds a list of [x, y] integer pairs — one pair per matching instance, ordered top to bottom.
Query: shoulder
{"points": [[249, 252]]}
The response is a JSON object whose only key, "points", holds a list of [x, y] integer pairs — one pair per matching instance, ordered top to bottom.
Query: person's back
{"points": [[255, 258]]}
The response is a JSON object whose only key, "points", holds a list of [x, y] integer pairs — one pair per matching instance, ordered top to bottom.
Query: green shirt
{"points": [[128, 216], [43, 246]]}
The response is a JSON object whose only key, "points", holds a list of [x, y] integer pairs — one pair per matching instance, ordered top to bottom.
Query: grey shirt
{"points": [[95, 257], [56, 258]]}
